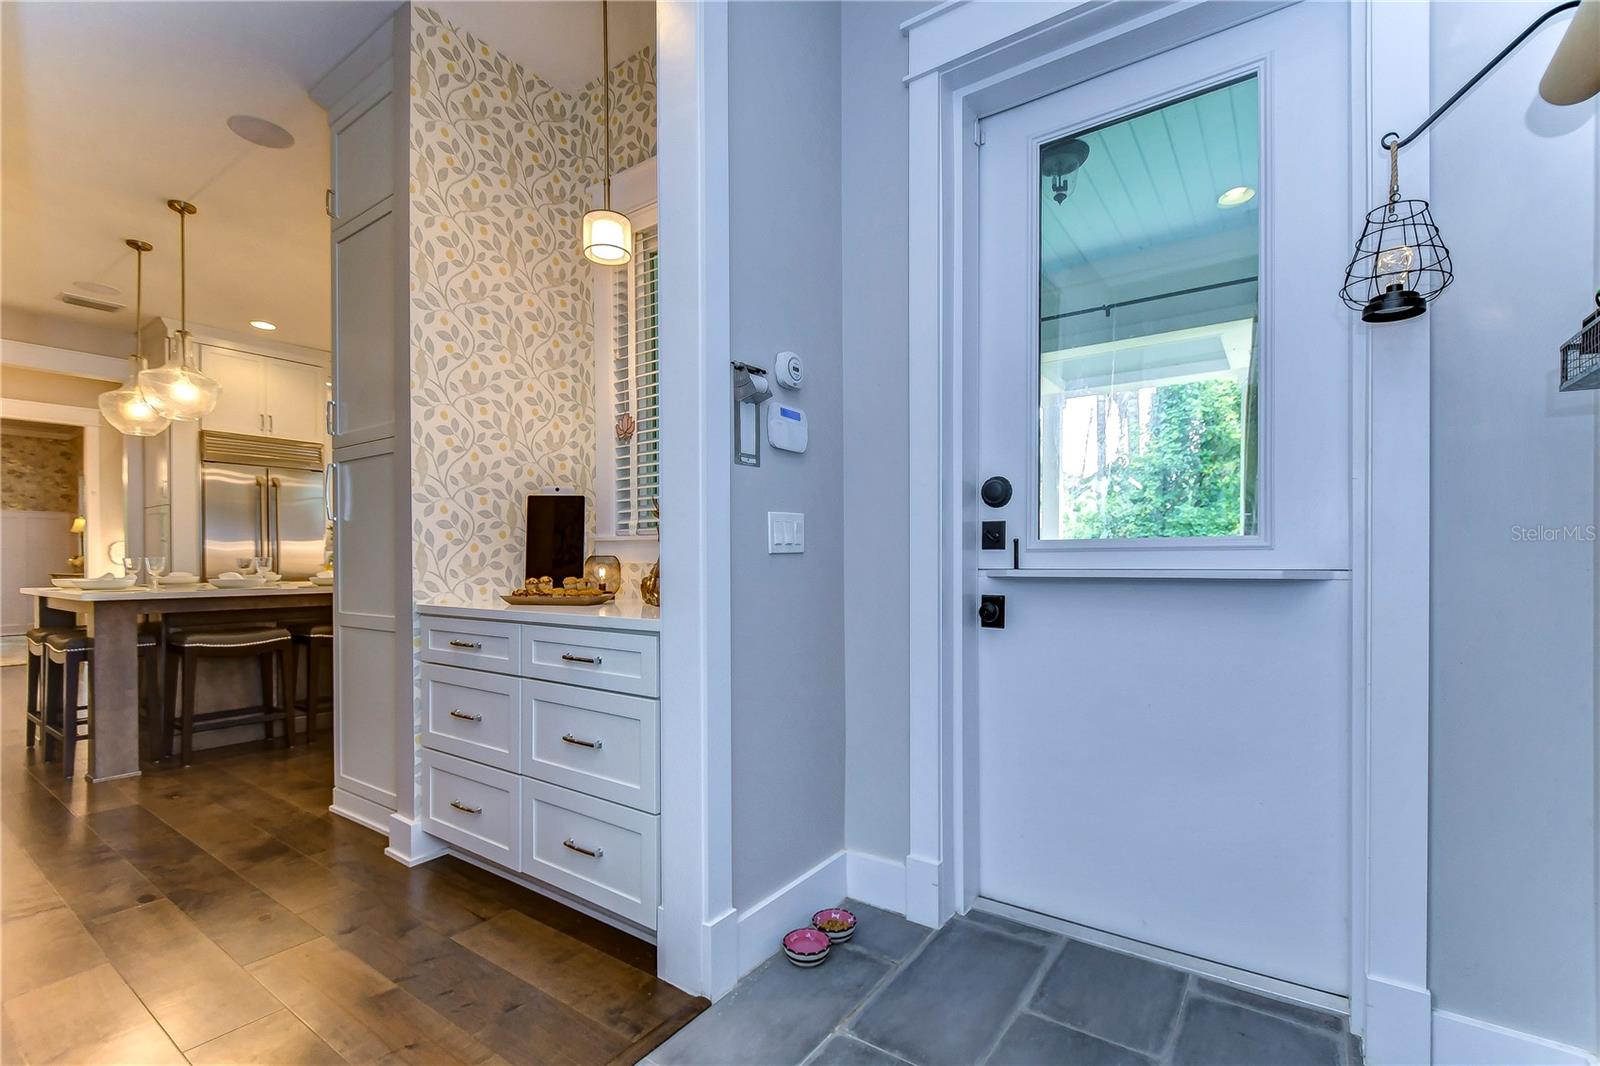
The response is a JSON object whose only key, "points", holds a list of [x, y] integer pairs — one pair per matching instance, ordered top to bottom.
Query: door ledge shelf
{"points": [[1167, 574]]}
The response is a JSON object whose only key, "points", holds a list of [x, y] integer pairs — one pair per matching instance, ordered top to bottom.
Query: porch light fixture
{"points": [[1061, 161], [1239, 194], [607, 234], [1400, 260], [179, 390], [127, 409]]}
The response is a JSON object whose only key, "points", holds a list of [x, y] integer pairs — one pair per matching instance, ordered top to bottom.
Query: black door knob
{"points": [[996, 491], [988, 612]]}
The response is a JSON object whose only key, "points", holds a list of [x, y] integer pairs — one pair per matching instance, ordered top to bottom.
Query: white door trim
{"points": [[967, 62], [96, 538], [697, 930]]}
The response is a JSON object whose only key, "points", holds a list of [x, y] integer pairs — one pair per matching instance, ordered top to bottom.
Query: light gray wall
{"points": [[874, 171], [788, 631], [1512, 866]]}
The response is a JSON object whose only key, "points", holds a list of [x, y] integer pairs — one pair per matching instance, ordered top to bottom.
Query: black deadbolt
{"points": [[996, 491], [994, 535], [992, 612]]}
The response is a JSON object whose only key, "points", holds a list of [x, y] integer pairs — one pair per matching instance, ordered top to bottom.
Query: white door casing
{"points": [[969, 60]]}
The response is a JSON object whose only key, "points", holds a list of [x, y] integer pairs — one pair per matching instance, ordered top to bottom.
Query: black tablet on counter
{"points": [[556, 524]]}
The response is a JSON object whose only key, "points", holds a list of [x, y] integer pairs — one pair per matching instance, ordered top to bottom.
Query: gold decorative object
{"points": [[625, 427], [605, 571], [650, 585], [572, 592]]}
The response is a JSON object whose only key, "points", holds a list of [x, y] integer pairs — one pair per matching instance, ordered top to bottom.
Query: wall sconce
{"points": [[1400, 261]]}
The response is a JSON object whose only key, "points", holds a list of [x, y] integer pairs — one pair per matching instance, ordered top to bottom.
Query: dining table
{"points": [[112, 616]]}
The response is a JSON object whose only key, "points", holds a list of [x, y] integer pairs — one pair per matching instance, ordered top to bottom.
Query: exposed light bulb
{"points": [[1239, 194], [1394, 266]]}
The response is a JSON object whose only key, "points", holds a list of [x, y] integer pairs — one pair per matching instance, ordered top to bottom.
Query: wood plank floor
{"points": [[220, 914]]}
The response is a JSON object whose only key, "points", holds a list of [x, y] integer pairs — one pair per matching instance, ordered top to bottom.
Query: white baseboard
{"points": [[360, 810], [409, 845], [876, 880], [922, 891], [761, 926], [720, 952], [1399, 1024], [1462, 1041]]}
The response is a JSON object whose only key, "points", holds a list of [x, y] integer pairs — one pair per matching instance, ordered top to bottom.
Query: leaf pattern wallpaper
{"points": [[502, 335]]}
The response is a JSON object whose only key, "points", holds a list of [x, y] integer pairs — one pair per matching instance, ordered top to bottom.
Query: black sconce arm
{"points": [[1393, 139]]}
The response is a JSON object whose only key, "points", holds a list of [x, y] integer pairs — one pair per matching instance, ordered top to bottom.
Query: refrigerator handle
{"points": [[327, 490], [276, 511], [261, 514]]}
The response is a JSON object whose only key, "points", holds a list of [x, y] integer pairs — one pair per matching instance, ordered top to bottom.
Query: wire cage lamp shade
{"points": [[1400, 263]]}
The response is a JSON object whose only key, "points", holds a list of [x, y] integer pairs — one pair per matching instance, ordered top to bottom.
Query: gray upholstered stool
{"points": [[315, 640], [270, 645], [65, 653], [36, 672]]}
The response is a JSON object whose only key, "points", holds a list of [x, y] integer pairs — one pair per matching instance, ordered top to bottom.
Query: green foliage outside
{"points": [[1177, 472]]}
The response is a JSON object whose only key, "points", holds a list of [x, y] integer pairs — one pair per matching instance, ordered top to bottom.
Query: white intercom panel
{"points": [[786, 427]]}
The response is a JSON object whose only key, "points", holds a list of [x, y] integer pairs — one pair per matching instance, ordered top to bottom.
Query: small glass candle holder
{"points": [[605, 571]]}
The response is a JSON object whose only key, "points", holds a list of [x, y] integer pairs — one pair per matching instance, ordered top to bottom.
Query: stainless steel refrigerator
{"points": [[262, 498]]}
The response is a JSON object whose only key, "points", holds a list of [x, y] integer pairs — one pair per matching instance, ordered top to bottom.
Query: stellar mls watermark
{"points": [[1581, 534]]}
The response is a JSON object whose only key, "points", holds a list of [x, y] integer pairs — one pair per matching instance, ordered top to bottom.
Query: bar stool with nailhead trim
{"points": [[316, 640], [270, 645], [65, 653], [36, 673]]}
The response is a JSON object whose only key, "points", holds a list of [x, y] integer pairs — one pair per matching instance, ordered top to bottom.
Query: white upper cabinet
{"points": [[363, 149], [365, 352], [264, 396], [295, 400]]}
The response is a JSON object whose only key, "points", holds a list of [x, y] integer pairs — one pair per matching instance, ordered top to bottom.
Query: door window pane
{"points": [[1148, 323]]}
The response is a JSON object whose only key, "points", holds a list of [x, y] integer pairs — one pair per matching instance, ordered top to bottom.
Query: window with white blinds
{"points": [[635, 381]]}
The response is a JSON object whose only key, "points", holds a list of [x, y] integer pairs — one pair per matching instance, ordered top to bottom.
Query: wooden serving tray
{"points": [[525, 600]]}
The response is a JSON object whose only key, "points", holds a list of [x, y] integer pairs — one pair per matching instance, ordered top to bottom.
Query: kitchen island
{"points": [[111, 617]]}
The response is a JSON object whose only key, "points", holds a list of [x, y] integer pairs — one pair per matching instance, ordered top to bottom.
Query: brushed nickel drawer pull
{"points": [[472, 644], [586, 659], [464, 716], [595, 744], [458, 805], [581, 850]]}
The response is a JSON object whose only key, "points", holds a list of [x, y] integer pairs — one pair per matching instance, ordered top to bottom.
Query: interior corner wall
{"points": [[874, 120], [788, 728], [1512, 890]]}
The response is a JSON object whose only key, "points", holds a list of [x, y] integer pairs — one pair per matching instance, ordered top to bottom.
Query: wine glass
{"points": [[261, 564], [155, 566], [130, 567]]}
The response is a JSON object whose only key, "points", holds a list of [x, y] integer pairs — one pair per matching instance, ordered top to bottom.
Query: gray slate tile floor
{"points": [[987, 990]]}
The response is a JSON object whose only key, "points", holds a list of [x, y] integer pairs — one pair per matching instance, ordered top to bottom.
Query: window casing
{"points": [[627, 390]]}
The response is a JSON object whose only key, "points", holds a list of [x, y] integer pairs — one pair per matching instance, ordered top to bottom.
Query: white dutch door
{"points": [[1164, 381]]}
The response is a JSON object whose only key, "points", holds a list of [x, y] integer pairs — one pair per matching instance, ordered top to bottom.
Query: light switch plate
{"points": [[786, 532]]}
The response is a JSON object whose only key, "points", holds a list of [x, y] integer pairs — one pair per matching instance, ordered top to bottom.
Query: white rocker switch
{"points": [[786, 532]]}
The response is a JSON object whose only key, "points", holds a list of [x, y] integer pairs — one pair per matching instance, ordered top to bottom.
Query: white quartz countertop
{"points": [[202, 591], [626, 614]]}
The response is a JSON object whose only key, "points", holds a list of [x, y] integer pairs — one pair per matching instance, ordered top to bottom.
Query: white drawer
{"points": [[465, 642], [594, 658], [472, 714], [595, 742], [475, 807], [596, 850]]}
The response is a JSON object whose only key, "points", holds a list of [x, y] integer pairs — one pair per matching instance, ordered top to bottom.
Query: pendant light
{"points": [[607, 234], [179, 390], [126, 408]]}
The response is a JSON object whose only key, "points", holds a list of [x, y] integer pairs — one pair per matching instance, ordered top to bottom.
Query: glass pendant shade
{"points": [[607, 238], [179, 391], [130, 413]]}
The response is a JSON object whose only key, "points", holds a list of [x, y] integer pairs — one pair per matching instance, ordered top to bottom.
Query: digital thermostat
{"points": [[788, 369], [786, 427]]}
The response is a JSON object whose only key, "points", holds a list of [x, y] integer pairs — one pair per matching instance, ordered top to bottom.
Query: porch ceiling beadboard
{"points": [[501, 330]]}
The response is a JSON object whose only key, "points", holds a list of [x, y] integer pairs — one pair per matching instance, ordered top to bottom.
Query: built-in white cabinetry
{"points": [[367, 101], [264, 395], [541, 753]]}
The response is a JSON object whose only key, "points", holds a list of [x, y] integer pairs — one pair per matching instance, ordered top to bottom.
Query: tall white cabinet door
{"points": [[363, 149], [364, 353], [242, 376], [295, 400], [365, 624]]}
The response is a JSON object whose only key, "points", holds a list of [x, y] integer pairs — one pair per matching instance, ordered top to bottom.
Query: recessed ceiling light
{"points": [[260, 131], [1239, 194], [99, 288], [263, 325]]}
